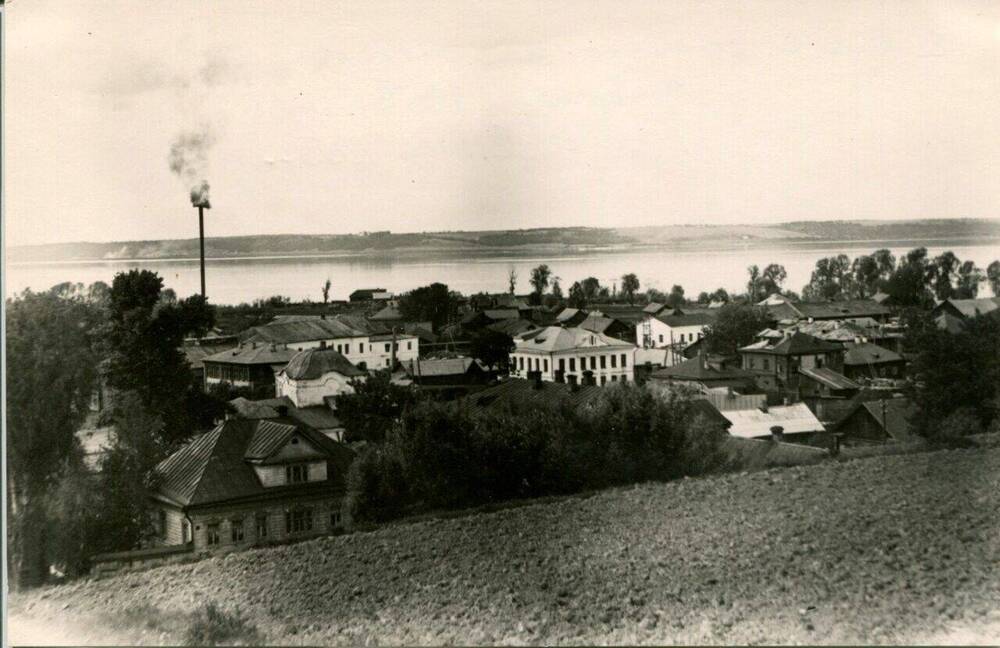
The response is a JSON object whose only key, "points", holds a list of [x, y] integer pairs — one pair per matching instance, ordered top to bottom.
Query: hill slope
{"points": [[500, 240], [890, 549]]}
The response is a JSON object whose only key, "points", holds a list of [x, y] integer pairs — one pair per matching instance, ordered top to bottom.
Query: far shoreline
{"points": [[684, 245]]}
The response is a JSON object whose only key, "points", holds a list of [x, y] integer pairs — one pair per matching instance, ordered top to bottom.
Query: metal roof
{"points": [[556, 338], [797, 343], [867, 353], [252, 354], [314, 363], [441, 366], [829, 377], [524, 393], [756, 423], [213, 467]]}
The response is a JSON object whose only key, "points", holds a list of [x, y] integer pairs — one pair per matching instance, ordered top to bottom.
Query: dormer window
{"points": [[297, 473]]}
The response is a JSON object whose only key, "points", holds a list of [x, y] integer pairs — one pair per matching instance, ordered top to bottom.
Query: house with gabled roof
{"points": [[967, 308], [674, 330], [367, 344], [560, 354], [864, 360], [775, 362], [250, 366], [314, 374], [880, 421], [251, 482]]}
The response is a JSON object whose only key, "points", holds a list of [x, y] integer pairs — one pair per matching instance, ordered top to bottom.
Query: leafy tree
{"points": [[886, 263], [945, 272], [866, 276], [993, 277], [540, 278], [772, 278], [969, 278], [831, 279], [511, 280], [908, 285], [630, 286], [754, 287], [557, 288], [592, 289], [326, 291], [720, 295], [577, 297], [676, 297], [433, 303], [735, 326], [144, 339], [493, 348], [952, 372], [51, 373], [374, 408], [126, 479]]}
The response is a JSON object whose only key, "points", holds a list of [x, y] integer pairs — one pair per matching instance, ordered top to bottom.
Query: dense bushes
{"points": [[447, 455]]}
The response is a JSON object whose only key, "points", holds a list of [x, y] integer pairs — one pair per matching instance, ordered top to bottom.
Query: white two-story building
{"points": [[673, 332], [364, 344], [565, 354]]}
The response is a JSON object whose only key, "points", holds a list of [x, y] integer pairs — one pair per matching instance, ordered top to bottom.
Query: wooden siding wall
{"points": [[275, 512]]}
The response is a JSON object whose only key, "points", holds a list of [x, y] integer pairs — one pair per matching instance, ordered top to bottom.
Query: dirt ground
{"points": [[896, 549]]}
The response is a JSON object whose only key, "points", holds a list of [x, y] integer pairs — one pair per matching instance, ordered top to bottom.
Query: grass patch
{"points": [[210, 625]]}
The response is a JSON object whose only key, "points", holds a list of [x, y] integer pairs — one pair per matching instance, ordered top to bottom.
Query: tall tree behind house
{"points": [[51, 372]]}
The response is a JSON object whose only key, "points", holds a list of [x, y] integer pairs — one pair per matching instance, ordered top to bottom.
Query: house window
{"points": [[682, 337], [661, 338], [322, 344], [409, 346], [387, 348], [603, 361], [614, 361], [624, 361], [387, 362], [593, 362], [819, 362], [562, 364], [572, 364], [767, 364], [545, 365], [614, 378], [624, 378], [604, 380], [296, 473], [336, 520], [298, 521], [163, 523], [261, 525], [236, 530], [185, 532], [212, 534]]}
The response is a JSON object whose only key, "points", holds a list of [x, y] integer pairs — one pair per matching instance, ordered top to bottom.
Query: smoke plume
{"points": [[189, 160]]}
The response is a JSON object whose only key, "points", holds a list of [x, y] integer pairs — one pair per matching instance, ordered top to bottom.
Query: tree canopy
{"points": [[735, 326]]}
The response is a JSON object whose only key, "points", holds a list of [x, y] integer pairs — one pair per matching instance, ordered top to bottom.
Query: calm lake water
{"points": [[232, 281]]}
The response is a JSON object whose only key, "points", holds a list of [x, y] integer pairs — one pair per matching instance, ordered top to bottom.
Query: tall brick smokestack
{"points": [[189, 160]]}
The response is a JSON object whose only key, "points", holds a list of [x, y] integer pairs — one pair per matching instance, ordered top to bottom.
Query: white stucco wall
{"points": [[306, 393]]}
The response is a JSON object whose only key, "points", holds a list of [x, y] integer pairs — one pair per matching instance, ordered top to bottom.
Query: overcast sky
{"points": [[332, 117]]}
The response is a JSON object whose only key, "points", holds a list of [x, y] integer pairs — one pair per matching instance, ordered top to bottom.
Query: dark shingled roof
{"points": [[841, 309], [687, 319], [290, 332], [797, 343], [867, 353], [195, 354], [252, 354], [314, 363], [441, 366], [695, 370], [523, 393], [891, 414], [214, 467]]}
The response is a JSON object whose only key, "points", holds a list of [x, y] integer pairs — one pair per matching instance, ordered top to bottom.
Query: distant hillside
{"points": [[667, 235]]}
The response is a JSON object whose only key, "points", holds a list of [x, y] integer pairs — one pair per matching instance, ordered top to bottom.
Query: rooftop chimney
{"points": [[536, 378], [588, 378], [573, 386], [777, 433]]}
